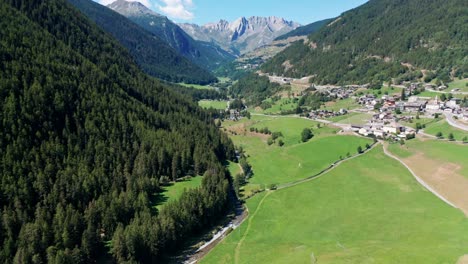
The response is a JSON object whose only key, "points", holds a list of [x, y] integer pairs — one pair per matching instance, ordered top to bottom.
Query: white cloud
{"points": [[147, 3], [178, 9]]}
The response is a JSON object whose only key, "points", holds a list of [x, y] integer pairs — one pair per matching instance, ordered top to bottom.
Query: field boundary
{"points": [[418, 179]]}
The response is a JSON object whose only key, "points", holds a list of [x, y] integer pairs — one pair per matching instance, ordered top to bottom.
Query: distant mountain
{"points": [[305, 30], [242, 35], [381, 40], [153, 54], [205, 54]]}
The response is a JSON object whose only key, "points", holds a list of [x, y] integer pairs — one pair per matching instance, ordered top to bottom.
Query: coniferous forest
{"points": [[383, 39], [85, 137]]}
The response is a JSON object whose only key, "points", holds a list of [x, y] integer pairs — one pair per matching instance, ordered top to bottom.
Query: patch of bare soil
{"points": [[443, 177], [463, 260]]}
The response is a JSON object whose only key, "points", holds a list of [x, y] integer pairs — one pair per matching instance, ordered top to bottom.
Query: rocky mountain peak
{"points": [[131, 8]]}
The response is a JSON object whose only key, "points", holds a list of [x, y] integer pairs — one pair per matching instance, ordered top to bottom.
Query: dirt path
{"points": [[420, 180], [238, 247]]}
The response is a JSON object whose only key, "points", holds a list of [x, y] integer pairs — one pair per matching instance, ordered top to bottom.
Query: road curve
{"points": [[454, 123], [424, 184]]}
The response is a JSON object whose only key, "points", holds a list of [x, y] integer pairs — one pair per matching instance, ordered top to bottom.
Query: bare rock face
{"points": [[242, 35], [207, 55]]}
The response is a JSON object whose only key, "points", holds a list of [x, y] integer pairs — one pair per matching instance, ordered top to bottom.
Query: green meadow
{"points": [[461, 84], [197, 86], [347, 103], [221, 105], [353, 118], [291, 127], [445, 128], [439, 151], [175, 190], [367, 210]]}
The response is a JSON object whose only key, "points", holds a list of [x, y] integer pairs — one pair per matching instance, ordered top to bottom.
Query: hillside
{"points": [[305, 30], [242, 35], [383, 39], [153, 54], [205, 54], [85, 138]]}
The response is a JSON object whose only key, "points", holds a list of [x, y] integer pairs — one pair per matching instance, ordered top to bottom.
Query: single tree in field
{"points": [[306, 134], [439, 135], [451, 137], [465, 139], [280, 143], [367, 146], [359, 149]]}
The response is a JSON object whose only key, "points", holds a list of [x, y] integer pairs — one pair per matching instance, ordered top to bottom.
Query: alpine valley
{"points": [[131, 134]]}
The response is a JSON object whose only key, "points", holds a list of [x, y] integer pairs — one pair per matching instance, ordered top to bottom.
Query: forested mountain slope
{"points": [[305, 30], [383, 39], [152, 53], [205, 54], [85, 137]]}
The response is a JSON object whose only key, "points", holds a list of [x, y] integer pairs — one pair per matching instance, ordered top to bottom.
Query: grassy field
{"points": [[461, 84], [197, 86], [434, 94], [211, 103], [284, 104], [348, 104], [353, 118], [422, 121], [291, 127], [446, 129], [436, 150], [295, 160], [174, 191], [367, 210]]}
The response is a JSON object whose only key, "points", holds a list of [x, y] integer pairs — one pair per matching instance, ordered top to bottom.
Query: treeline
{"points": [[305, 30], [370, 44], [254, 89], [85, 137]]}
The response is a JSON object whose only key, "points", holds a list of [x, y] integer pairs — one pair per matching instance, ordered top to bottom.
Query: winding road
{"points": [[454, 123]]}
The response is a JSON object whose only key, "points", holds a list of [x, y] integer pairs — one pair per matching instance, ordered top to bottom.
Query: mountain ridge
{"points": [[243, 34], [151, 53], [204, 54]]}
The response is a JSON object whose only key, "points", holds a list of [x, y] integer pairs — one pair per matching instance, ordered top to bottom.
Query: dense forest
{"points": [[305, 30], [383, 39], [153, 54], [254, 89], [85, 138]]}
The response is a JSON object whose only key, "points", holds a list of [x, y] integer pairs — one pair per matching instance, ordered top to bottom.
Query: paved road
{"points": [[454, 123], [421, 181]]}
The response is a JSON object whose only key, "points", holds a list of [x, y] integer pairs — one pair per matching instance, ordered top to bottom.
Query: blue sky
{"points": [[204, 11]]}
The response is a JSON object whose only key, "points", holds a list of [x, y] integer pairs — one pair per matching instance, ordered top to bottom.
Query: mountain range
{"points": [[242, 35], [153, 54], [206, 54]]}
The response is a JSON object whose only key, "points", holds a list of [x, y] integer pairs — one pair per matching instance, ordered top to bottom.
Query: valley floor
{"points": [[369, 209]]}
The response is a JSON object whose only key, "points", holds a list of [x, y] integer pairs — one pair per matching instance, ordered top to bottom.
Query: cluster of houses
{"points": [[319, 114], [384, 130]]}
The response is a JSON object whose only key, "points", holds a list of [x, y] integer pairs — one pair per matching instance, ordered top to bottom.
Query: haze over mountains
{"points": [[242, 35]]}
